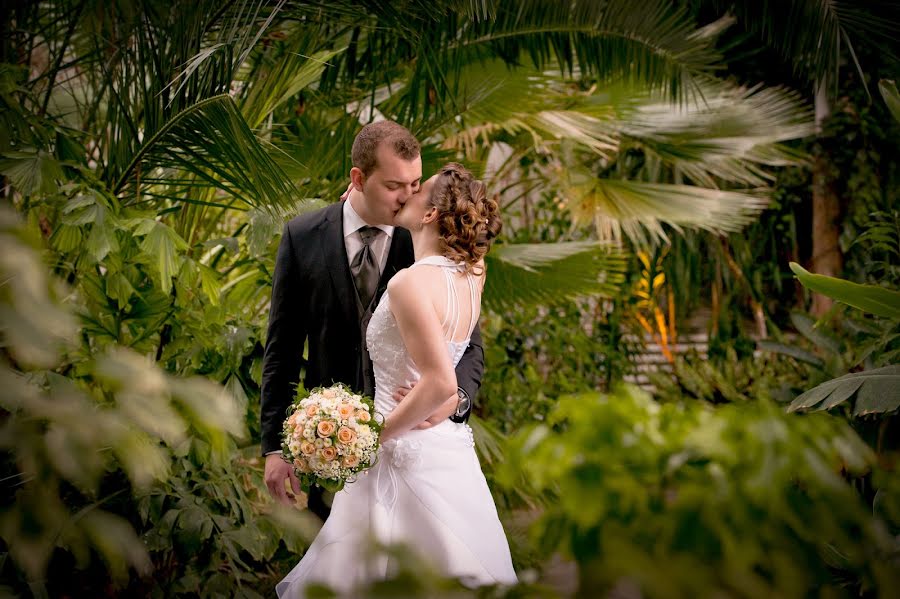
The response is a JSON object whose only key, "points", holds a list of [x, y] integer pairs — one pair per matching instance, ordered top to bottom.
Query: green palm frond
{"points": [[812, 34], [642, 41], [276, 81], [542, 108], [728, 136], [207, 145], [638, 210], [545, 273]]}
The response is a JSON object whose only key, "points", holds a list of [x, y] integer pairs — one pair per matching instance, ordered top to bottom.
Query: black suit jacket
{"points": [[313, 299]]}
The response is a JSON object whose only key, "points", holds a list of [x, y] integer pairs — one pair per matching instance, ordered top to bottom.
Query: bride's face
{"points": [[414, 212]]}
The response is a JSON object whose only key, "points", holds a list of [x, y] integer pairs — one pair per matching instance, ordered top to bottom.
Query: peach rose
{"points": [[329, 394], [311, 410], [345, 411], [363, 416], [325, 428], [346, 435], [307, 448], [328, 453], [351, 461], [301, 465]]}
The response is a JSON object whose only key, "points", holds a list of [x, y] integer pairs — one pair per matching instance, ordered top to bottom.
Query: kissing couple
{"points": [[384, 292]]}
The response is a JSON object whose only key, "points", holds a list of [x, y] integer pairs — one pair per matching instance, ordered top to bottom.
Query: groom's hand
{"points": [[445, 411], [278, 471]]}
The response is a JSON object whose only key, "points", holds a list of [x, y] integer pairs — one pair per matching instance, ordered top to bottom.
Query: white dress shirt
{"points": [[353, 222]]}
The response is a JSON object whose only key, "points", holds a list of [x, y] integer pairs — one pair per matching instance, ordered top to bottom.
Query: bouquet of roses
{"points": [[330, 436]]}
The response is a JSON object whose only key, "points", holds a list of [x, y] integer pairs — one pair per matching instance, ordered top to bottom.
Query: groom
{"points": [[332, 267]]}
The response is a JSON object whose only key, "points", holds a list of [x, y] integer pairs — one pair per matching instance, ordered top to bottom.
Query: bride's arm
{"points": [[420, 328]]}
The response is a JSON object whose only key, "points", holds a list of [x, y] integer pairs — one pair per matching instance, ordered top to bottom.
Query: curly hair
{"points": [[370, 137], [468, 220]]}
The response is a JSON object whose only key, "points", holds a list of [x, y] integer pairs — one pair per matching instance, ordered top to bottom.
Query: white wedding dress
{"points": [[426, 490]]}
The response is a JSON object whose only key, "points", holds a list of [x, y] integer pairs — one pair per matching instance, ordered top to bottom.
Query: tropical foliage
{"points": [[684, 500]]}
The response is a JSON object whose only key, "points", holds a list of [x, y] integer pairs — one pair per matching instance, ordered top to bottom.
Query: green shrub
{"points": [[695, 500]]}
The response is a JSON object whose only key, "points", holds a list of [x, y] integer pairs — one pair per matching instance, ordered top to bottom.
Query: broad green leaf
{"points": [[868, 298], [877, 391], [840, 395]]}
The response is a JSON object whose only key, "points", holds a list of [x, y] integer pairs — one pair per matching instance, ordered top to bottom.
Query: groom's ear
{"points": [[357, 177]]}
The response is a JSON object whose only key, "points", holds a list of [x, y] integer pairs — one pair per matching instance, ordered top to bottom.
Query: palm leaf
{"points": [[811, 34], [423, 46], [293, 72], [727, 136], [208, 143], [32, 172], [639, 210], [527, 274], [868, 298], [877, 391]]}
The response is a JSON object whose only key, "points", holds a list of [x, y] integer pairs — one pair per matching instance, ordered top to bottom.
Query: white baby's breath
{"points": [[326, 441]]}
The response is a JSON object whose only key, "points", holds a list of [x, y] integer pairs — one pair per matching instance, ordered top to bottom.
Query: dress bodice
{"points": [[392, 363]]}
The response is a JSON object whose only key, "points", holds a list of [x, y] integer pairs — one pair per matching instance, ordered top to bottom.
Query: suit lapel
{"points": [[335, 255]]}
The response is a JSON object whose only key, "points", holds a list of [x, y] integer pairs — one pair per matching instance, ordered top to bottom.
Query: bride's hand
{"points": [[346, 194]]}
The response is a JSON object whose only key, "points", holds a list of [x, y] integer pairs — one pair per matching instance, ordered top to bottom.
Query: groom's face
{"points": [[389, 185]]}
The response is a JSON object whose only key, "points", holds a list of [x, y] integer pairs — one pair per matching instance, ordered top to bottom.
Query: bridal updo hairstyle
{"points": [[468, 220]]}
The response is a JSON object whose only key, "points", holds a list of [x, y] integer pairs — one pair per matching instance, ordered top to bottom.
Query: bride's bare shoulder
{"points": [[403, 282], [414, 282]]}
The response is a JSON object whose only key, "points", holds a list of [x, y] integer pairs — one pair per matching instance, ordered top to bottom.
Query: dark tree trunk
{"points": [[826, 211]]}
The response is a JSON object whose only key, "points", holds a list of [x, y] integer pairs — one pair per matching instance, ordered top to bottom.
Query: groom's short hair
{"points": [[400, 140]]}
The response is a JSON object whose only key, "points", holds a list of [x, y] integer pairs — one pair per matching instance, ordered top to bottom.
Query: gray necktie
{"points": [[364, 267]]}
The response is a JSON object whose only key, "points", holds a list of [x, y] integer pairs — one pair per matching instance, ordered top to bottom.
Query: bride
{"points": [[426, 490]]}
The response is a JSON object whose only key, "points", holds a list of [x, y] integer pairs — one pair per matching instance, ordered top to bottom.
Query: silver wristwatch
{"points": [[462, 406]]}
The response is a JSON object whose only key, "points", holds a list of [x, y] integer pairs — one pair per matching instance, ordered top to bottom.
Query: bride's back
{"points": [[454, 294]]}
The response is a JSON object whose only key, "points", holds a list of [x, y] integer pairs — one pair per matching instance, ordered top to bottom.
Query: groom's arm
{"points": [[284, 345], [471, 368]]}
